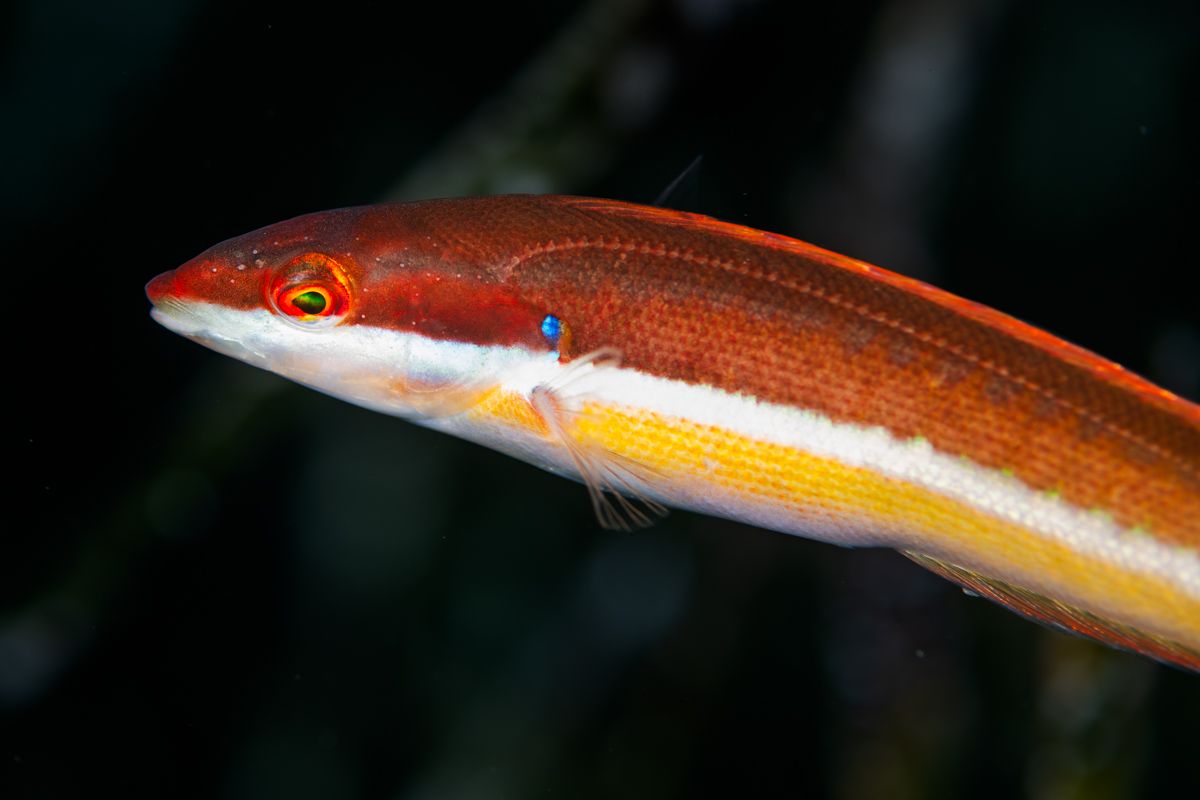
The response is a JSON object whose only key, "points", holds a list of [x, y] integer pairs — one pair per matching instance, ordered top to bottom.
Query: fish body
{"points": [[666, 358]]}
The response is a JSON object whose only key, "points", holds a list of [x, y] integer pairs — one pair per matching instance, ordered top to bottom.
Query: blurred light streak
{"points": [[875, 196]]}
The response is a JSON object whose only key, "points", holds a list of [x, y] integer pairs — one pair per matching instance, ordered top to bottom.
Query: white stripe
{"points": [[337, 360], [358, 363], [914, 461]]}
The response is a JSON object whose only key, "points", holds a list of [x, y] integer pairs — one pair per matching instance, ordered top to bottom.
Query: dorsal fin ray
{"points": [[685, 181]]}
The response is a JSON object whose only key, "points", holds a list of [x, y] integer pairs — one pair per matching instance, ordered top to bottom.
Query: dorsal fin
{"points": [[1061, 616]]}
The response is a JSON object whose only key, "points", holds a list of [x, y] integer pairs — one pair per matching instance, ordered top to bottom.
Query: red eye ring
{"points": [[309, 290]]}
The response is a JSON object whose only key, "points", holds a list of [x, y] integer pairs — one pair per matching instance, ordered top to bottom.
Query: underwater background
{"points": [[214, 583]]}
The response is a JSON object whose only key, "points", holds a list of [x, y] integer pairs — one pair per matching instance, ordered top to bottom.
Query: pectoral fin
{"points": [[619, 487]]}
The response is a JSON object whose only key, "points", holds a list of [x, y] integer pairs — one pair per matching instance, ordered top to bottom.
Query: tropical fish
{"points": [[669, 359]]}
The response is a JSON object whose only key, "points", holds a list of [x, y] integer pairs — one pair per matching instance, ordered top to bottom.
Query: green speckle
{"points": [[310, 302], [1139, 532]]}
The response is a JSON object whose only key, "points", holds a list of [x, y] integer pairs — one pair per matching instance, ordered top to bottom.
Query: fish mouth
{"points": [[161, 287], [169, 310], [175, 314], [203, 324]]}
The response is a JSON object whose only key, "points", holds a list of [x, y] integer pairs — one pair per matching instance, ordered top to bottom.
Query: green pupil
{"points": [[310, 302]]}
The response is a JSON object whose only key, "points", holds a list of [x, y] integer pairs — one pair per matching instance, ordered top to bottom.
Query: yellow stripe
{"points": [[808, 487]]}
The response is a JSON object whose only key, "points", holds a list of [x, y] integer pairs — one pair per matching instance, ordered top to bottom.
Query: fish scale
{"points": [[666, 358]]}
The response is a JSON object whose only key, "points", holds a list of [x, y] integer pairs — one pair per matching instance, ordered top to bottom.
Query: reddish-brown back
{"points": [[696, 300]]}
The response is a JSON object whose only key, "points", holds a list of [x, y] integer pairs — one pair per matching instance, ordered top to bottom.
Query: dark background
{"points": [[218, 584]]}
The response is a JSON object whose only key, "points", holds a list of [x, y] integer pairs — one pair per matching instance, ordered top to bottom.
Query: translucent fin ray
{"points": [[672, 195], [618, 487], [1061, 616]]}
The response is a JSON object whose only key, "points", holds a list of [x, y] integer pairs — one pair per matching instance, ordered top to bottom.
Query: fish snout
{"points": [[161, 287]]}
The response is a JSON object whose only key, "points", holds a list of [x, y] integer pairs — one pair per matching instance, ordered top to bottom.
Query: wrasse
{"points": [[669, 359]]}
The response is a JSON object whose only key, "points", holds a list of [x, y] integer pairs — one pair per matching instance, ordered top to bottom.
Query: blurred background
{"points": [[217, 584]]}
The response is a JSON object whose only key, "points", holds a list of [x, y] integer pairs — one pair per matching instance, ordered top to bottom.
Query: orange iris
{"points": [[310, 288]]}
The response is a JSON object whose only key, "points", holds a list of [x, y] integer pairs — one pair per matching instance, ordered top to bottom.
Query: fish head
{"points": [[378, 305]]}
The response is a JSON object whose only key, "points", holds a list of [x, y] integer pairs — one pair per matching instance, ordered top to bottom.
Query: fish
{"points": [[669, 359]]}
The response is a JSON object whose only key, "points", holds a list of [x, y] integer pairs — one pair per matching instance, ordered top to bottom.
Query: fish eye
{"points": [[310, 289], [307, 301], [314, 301]]}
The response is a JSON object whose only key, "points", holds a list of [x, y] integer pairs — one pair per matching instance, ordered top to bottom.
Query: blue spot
{"points": [[552, 328]]}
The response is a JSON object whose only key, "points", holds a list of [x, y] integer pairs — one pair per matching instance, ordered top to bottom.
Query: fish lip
{"points": [[160, 287], [169, 310], [176, 318], [189, 320]]}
